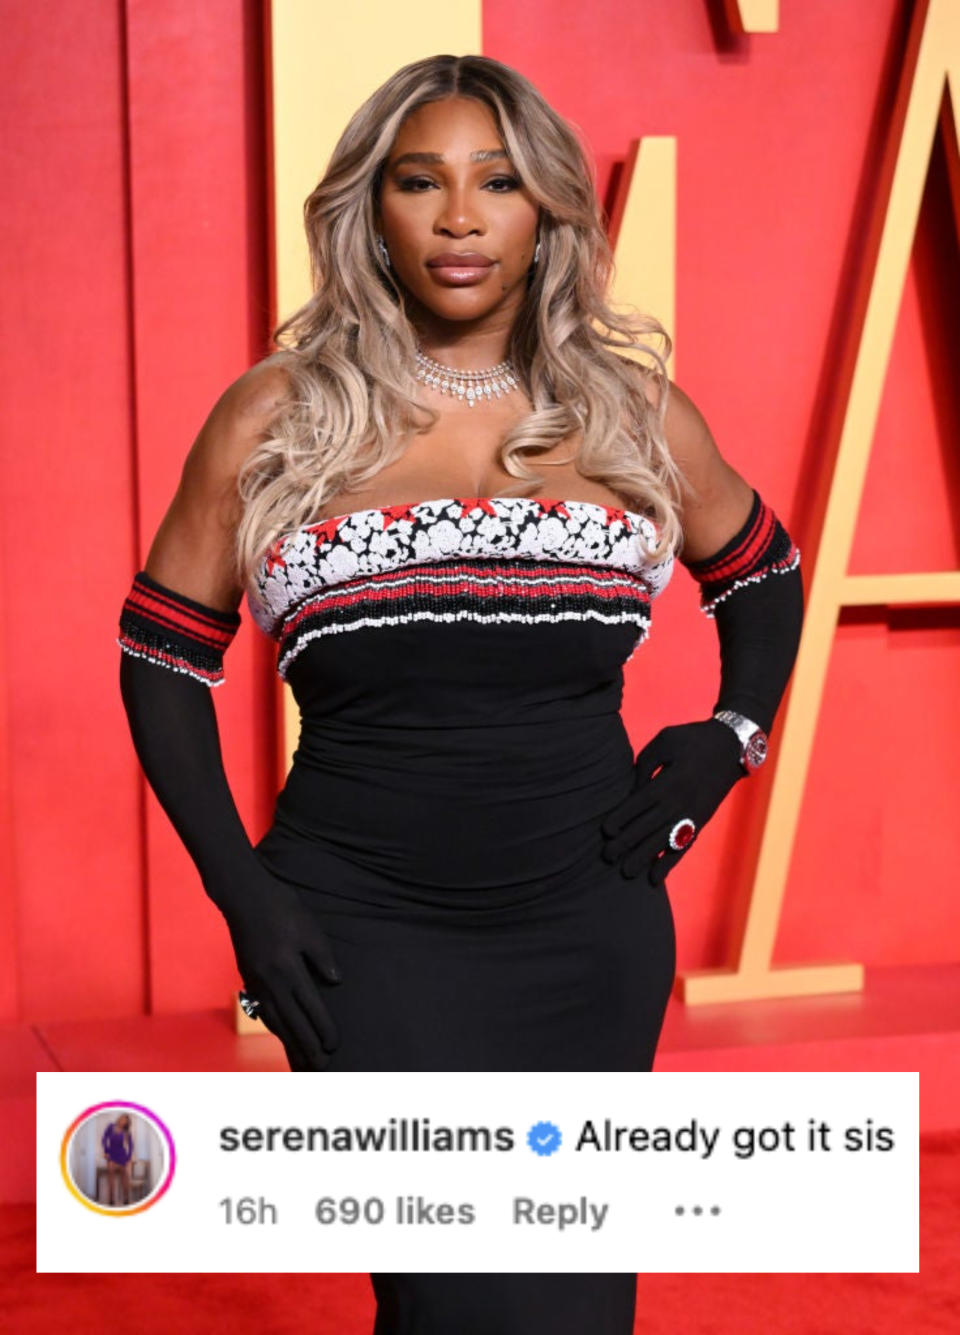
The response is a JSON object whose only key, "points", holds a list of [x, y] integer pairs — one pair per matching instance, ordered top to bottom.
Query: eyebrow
{"points": [[481, 155]]}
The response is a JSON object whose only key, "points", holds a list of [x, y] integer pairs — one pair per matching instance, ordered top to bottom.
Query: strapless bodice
{"points": [[483, 559], [457, 664]]}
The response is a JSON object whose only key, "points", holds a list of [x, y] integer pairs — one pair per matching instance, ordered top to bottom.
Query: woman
{"points": [[466, 868], [117, 1142]]}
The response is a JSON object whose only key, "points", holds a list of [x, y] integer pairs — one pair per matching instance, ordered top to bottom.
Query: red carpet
{"points": [[928, 1303]]}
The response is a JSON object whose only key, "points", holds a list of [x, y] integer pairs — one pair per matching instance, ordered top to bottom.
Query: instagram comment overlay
{"points": [[477, 1171]]}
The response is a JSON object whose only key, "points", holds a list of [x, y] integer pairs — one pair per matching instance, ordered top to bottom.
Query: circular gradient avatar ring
{"points": [[683, 833]]}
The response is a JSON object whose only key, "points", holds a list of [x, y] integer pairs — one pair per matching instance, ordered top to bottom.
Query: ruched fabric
{"points": [[442, 817]]}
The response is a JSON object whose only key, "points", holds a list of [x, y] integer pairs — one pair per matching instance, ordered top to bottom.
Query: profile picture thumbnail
{"points": [[117, 1158]]}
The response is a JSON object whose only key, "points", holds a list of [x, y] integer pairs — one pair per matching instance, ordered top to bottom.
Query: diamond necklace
{"points": [[474, 386]]}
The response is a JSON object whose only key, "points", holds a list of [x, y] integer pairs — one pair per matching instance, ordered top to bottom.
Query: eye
{"points": [[504, 184]]}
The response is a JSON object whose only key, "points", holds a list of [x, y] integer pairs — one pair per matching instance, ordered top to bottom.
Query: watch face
{"points": [[756, 750]]}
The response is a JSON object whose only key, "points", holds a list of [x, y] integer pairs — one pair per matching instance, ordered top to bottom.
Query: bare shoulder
{"points": [[257, 393], [240, 418], [689, 437], [716, 500], [193, 550]]}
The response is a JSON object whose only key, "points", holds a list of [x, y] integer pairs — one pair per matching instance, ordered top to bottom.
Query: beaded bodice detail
{"points": [[483, 559]]}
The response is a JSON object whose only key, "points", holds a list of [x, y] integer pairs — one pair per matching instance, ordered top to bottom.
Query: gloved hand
{"points": [[686, 770], [281, 952], [284, 959]]}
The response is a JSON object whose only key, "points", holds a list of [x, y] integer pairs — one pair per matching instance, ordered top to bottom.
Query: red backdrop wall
{"points": [[134, 156]]}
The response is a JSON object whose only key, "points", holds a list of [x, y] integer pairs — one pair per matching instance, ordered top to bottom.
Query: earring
{"points": [[384, 253], [536, 254]]}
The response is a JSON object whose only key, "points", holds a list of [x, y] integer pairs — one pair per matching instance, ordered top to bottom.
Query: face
{"points": [[449, 189]]}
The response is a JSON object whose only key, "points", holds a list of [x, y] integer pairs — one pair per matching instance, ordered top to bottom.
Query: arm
{"points": [[747, 566], [748, 569], [175, 626]]}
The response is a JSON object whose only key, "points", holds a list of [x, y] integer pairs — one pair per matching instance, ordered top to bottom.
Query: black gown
{"points": [[458, 665]]}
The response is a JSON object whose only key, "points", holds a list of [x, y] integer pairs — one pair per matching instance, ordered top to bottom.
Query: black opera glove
{"points": [[751, 587], [752, 590], [173, 649], [686, 770], [284, 959]]}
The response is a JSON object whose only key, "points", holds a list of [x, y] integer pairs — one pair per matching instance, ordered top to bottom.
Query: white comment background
{"points": [[805, 1210]]}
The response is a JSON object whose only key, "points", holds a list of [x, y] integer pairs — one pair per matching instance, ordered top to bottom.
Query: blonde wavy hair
{"points": [[349, 351]]}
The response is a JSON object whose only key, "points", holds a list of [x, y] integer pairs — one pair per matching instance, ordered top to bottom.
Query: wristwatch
{"points": [[753, 740]]}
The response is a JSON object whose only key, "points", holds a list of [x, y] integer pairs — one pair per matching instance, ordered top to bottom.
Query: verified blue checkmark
{"points": [[544, 1138]]}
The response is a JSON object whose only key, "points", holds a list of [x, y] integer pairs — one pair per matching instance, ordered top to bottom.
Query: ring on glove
{"points": [[682, 834], [248, 1004]]}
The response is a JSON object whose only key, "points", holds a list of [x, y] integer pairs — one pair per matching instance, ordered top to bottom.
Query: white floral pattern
{"points": [[385, 538]]}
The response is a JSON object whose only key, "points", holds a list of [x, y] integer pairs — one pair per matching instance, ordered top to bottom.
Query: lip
{"points": [[463, 259], [463, 269]]}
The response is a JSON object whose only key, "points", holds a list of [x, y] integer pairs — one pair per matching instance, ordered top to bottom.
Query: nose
{"points": [[458, 215]]}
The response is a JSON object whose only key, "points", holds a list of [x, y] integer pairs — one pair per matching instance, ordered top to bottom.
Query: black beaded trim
{"points": [[761, 547], [486, 592], [176, 632]]}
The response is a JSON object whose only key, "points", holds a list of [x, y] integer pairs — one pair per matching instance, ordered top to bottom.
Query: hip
{"points": [[496, 812]]}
